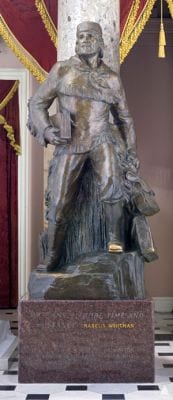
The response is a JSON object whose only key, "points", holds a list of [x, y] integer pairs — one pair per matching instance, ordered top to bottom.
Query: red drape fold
{"points": [[125, 7], [52, 8], [24, 21], [8, 203]]}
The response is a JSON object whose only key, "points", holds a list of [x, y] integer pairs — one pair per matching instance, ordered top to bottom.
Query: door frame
{"points": [[24, 258]]}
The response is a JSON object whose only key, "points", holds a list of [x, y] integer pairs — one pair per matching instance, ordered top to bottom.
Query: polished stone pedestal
{"points": [[86, 341]]}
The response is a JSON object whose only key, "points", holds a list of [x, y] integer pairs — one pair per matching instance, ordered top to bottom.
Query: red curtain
{"points": [[52, 8], [125, 9], [134, 15], [23, 30], [8, 202]]}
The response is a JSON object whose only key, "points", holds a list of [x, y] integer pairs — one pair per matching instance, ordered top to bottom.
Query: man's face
{"points": [[88, 43]]}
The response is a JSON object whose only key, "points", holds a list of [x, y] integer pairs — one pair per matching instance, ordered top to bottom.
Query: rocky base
{"points": [[103, 276]]}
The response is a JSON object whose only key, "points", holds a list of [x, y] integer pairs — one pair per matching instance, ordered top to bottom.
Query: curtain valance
{"points": [[24, 32], [8, 92]]}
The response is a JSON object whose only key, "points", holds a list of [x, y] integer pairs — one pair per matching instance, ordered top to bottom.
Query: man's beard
{"points": [[87, 50]]}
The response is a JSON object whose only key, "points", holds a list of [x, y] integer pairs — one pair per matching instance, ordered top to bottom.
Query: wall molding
{"points": [[23, 177], [163, 304]]}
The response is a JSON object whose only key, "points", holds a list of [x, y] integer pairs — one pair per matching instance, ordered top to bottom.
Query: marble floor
{"points": [[161, 389]]}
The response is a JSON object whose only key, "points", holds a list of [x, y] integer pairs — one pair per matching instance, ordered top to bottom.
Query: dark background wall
{"points": [[148, 82]]}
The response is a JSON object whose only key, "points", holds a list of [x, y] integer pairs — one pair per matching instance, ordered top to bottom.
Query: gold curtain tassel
{"points": [[162, 38], [161, 53]]}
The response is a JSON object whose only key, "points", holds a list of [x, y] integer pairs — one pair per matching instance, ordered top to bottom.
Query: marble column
{"points": [[105, 12]]}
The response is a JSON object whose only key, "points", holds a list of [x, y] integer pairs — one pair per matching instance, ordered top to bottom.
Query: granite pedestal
{"points": [[82, 341]]}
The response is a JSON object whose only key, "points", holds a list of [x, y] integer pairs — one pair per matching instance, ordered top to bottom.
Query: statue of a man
{"points": [[87, 91]]}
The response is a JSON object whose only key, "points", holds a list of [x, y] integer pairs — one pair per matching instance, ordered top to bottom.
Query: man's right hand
{"points": [[51, 136]]}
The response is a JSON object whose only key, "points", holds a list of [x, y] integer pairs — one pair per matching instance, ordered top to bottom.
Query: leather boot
{"points": [[114, 221], [56, 235]]}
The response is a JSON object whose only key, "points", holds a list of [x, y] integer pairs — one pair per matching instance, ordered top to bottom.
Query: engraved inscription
{"points": [[90, 320], [109, 326]]}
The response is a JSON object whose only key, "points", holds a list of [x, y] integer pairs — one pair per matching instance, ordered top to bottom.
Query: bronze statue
{"points": [[88, 92]]}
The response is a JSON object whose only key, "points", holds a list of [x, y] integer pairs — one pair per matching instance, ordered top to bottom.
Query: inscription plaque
{"points": [[86, 341]]}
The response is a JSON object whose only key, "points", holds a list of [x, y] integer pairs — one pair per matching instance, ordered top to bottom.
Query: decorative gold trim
{"points": [[170, 6], [47, 20], [130, 21], [139, 25], [122, 34], [21, 53], [9, 95], [10, 135]]}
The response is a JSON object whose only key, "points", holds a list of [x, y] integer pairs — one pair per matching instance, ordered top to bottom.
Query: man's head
{"points": [[89, 39]]}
